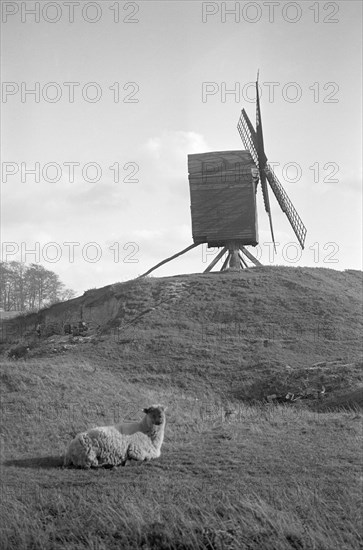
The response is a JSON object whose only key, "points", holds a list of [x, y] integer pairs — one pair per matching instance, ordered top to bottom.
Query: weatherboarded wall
{"points": [[223, 197]]}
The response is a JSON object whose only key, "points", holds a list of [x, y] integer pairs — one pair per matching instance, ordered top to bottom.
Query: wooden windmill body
{"points": [[223, 186]]}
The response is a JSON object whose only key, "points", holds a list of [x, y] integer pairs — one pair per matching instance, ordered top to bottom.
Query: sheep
{"points": [[115, 445]]}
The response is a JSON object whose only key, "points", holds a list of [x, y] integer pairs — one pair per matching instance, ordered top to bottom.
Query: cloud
{"points": [[170, 150]]}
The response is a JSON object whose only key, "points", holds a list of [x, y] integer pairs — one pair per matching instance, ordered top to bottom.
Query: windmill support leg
{"points": [[250, 256], [169, 259], [216, 259], [243, 262], [225, 263]]}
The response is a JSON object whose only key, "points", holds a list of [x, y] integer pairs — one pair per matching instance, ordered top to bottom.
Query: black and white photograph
{"points": [[181, 284]]}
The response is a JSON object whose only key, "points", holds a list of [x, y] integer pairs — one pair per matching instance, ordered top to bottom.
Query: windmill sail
{"points": [[248, 135], [259, 135], [250, 141], [253, 141], [262, 160], [286, 206]]}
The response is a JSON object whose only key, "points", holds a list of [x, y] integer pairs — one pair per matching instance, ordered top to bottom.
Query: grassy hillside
{"points": [[235, 472]]}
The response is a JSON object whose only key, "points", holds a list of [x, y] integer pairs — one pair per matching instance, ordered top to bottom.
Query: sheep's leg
{"points": [[151, 453], [141, 455]]}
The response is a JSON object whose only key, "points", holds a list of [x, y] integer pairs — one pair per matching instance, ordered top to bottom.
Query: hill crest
{"points": [[241, 334]]}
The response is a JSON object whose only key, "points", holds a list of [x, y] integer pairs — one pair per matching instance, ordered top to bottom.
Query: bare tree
{"points": [[28, 288]]}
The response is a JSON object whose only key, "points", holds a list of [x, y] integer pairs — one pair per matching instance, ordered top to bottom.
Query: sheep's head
{"points": [[155, 414]]}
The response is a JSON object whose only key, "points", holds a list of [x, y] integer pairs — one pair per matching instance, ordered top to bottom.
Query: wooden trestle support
{"points": [[234, 261]]}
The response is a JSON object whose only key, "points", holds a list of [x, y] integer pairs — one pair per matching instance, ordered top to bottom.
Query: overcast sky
{"points": [[140, 85]]}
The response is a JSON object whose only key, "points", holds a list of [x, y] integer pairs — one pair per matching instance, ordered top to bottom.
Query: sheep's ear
{"points": [[165, 408], [145, 411]]}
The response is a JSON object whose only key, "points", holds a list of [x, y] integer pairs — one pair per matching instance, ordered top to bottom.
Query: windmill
{"points": [[223, 186]]}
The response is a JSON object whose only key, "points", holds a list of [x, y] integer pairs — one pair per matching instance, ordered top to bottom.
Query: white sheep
{"points": [[115, 445]]}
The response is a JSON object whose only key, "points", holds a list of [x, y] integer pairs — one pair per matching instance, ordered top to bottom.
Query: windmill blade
{"points": [[248, 135], [249, 139], [262, 160], [267, 203], [286, 206]]}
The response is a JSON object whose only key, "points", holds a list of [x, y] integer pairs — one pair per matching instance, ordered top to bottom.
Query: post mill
{"points": [[223, 187]]}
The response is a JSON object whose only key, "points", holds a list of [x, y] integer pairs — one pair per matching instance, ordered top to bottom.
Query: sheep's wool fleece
{"points": [[104, 445]]}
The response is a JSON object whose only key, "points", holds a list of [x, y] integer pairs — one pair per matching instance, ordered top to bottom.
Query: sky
{"points": [[103, 101]]}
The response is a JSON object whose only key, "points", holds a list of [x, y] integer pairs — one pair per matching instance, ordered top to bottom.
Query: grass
{"points": [[263, 477], [273, 477]]}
